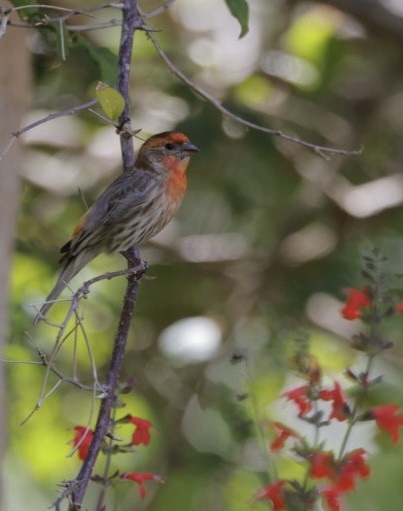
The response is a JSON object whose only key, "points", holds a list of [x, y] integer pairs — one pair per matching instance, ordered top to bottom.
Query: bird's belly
{"points": [[141, 228]]}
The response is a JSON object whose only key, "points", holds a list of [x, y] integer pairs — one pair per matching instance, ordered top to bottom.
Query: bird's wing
{"points": [[127, 191]]}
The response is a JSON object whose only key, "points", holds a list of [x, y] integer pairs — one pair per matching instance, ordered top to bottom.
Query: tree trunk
{"points": [[15, 90]]}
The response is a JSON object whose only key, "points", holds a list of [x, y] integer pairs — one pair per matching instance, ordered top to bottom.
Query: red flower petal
{"points": [[356, 301], [300, 398], [339, 404], [388, 420], [283, 433], [141, 434], [82, 439], [322, 465], [352, 466], [139, 478], [274, 493], [331, 497]]}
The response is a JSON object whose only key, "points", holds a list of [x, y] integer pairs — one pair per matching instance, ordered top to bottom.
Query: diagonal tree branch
{"points": [[321, 150]]}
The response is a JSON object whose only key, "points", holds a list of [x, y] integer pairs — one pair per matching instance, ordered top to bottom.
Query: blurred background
{"points": [[268, 237]]}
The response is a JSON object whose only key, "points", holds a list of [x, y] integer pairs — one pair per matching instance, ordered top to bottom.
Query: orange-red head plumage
{"points": [[166, 151]]}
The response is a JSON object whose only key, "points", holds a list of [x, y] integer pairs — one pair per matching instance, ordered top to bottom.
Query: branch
{"points": [[158, 10], [5, 21], [46, 21], [131, 21], [50, 117], [318, 149], [111, 384], [76, 489]]}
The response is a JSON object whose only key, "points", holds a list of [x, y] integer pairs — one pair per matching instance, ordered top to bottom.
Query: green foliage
{"points": [[29, 7], [240, 11], [104, 58]]}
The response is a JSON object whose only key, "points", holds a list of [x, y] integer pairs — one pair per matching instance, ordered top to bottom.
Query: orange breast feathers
{"points": [[176, 182], [79, 227]]}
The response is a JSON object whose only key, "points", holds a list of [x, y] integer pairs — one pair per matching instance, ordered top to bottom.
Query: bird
{"points": [[131, 210]]}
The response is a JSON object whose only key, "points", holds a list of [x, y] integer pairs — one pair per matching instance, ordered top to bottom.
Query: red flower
{"points": [[356, 301], [399, 308], [300, 398], [339, 405], [388, 420], [283, 433], [141, 434], [82, 440], [322, 465], [352, 466], [343, 474], [139, 478], [273, 492], [331, 497]]}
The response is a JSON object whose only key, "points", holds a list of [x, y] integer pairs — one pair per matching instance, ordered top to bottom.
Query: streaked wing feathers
{"points": [[128, 193]]}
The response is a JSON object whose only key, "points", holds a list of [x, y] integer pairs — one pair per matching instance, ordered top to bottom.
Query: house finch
{"points": [[133, 209]]}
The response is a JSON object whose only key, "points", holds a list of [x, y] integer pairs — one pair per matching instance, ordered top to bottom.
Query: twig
{"points": [[158, 10], [71, 13], [59, 19], [3, 24], [98, 26], [56, 115], [50, 117], [318, 149], [135, 271], [44, 362]]}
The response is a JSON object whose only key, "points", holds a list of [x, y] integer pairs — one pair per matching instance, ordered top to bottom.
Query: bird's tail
{"points": [[72, 267]]}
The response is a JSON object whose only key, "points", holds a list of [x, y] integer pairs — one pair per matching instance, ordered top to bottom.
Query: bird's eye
{"points": [[169, 146]]}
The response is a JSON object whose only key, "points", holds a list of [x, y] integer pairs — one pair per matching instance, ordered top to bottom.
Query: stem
{"points": [[131, 21], [373, 337], [354, 412], [258, 423], [314, 446], [100, 504]]}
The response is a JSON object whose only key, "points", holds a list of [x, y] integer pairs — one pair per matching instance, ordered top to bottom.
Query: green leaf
{"points": [[240, 10], [104, 58], [111, 101]]}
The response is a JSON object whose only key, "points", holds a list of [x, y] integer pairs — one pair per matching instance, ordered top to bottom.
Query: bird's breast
{"points": [[176, 179]]}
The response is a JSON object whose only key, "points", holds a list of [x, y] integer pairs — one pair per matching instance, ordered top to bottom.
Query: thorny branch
{"points": [[70, 13], [318, 149], [63, 335], [76, 490]]}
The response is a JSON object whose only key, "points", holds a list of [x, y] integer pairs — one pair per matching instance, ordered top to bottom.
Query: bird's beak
{"points": [[188, 147]]}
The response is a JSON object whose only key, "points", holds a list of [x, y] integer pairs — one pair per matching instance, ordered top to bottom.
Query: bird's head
{"points": [[170, 150]]}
